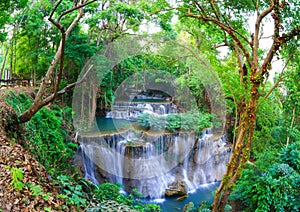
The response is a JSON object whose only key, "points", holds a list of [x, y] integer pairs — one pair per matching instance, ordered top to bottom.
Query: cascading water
{"points": [[131, 110], [162, 110], [151, 162], [140, 163], [89, 167]]}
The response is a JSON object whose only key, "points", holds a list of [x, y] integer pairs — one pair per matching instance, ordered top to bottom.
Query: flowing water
{"points": [[153, 161], [204, 192]]}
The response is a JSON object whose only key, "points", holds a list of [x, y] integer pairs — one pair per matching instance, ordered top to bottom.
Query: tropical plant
{"points": [[189, 121], [47, 138], [274, 189]]}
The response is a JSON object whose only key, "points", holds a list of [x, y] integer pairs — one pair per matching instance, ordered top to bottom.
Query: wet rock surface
{"points": [[176, 189]]}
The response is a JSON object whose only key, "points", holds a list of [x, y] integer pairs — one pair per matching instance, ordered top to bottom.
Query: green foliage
{"points": [[7, 8], [78, 51], [33, 53], [133, 67], [195, 122], [46, 133], [47, 142], [291, 156], [17, 177], [276, 189], [279, 189], [36, 190], [79, 191], [109, 191], [73, 192], [204, 207], [47, 209]]}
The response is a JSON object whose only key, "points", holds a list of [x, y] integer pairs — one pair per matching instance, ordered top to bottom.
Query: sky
{"points": [[265, 42]]}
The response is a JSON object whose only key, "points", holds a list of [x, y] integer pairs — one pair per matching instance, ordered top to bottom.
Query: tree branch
{"points": [[211, 2], [199, 7], [74, 8], [54, 9], [167, 9], [229, 30], [256, 35], [287, 37], [220, 45], [275, 46], [240, 62], [278, 81], [62, 91], [41, 98], [291, 127]]}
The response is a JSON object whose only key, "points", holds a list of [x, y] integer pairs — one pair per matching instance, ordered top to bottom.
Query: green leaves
{"points": [[8, 8], [194, 122], [45, 132], [291, 156], [17, 177], [278, 188], [36, 190], [81, 192], [74, 194]]}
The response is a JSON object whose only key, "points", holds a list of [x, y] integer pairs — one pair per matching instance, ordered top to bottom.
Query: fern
{"points": [[17, 177], [36, 190]]}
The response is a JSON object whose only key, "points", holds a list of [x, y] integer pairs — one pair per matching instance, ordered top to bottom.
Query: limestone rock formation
{"points": [[176, 189]]}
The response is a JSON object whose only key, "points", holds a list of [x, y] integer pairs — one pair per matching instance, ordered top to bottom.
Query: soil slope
{"points": [[12, 155]]}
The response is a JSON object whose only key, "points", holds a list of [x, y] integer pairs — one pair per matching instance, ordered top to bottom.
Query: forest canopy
{"points": [[250, 47]]}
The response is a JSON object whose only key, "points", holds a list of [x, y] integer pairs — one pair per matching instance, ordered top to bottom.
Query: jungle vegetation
{"points": [[51, 41]]}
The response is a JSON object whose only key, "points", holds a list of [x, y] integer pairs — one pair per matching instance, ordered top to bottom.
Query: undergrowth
{"points": [[46, 134], [47, 141]]}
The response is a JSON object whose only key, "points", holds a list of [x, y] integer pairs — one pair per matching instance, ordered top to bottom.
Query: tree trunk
{"points": [[11, 61], [4, 62], [42, 98], [241, 151]]}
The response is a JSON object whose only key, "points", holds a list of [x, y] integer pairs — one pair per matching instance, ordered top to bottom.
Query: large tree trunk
{"points": [[241, 150]]}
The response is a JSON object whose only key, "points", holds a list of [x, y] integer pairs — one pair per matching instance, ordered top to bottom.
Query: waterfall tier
{"points": [[131, 110], [152, 162]]}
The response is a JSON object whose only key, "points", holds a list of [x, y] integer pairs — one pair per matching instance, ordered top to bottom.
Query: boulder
{"points": [[176, 189], [182, 197], [189, 207]]}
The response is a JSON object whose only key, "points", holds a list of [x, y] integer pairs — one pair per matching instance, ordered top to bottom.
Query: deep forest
{"points": [[149, 105]]}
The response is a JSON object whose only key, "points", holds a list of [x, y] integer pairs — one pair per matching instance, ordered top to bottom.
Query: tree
{"points": [[7, 8], [110, 20], [34, 52], [253, 66], [44, 96]]}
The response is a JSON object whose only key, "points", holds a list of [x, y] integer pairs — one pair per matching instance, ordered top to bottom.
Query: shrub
{"points": [[194, 122], [46, 133], [291, 156], [276, 189]]}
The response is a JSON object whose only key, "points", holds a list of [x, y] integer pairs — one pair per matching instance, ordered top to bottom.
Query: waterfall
{"points": [[148, 107], [162, 109], [131, 110], [119, 160], [151, 162], [89, 167]]}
